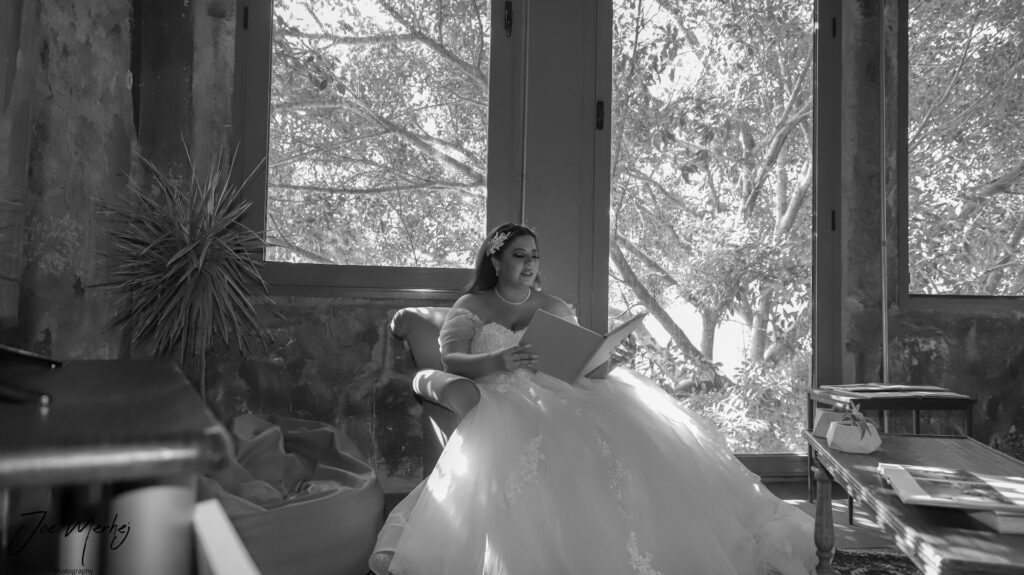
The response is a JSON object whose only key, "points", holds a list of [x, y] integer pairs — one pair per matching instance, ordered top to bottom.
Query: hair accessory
{"points": [[494, 244]]}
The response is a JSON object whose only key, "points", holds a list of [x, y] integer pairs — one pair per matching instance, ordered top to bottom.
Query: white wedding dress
{"points": [[603, 477]]}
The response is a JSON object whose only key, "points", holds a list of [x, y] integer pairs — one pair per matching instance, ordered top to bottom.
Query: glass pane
{"points": [[378, 132], [966, 147], [711, 207]]}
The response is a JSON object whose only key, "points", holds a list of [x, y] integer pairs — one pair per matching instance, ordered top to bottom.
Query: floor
{"points": [[863, 534]]}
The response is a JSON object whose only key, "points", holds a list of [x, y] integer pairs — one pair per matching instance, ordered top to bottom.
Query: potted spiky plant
{"points": [[184, 268], [853, 433]]}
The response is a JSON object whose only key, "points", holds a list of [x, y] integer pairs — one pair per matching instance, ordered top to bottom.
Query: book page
{"points": [[612, 341], [563, 347]]}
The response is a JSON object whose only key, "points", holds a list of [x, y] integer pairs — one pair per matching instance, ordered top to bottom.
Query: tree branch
{"points": [[351, 40], [472, 72], [915, 138], [417, 141], [777, 141], [655, 184], [1001, 184], [427, 187], [279, 242], [690, 351]]}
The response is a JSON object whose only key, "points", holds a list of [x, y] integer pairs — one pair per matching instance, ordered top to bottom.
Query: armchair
{"points": [[446, 397]]}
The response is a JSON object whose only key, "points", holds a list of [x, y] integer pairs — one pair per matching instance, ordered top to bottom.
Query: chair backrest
{"points": [[420, 327]]}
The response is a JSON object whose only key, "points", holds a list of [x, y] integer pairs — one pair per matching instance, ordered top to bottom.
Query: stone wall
{"points": [[79, 153], [333, 360]]}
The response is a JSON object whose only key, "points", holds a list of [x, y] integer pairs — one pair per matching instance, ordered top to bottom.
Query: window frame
{"points": [[251, 133], [505, 181], [905, 299], [827, 341]]}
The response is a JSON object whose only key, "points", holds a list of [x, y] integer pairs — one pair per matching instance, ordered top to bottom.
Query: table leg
{"points": [[812, 406], [811, 485], [824, 530]]}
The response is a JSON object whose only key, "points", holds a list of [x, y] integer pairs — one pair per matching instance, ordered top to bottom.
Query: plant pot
{"points": [[823, 419], [850, 438]]}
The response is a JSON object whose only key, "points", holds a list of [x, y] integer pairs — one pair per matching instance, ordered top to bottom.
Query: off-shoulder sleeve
{"points": [[571, 316], [460, 325]]}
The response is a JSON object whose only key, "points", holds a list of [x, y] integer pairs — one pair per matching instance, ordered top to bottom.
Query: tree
{"points": [[378, 145], [965, 147], [711, 177], [718, 197]]}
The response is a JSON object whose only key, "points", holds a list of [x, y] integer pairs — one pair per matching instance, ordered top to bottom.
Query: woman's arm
{"points": [[458, 360]]}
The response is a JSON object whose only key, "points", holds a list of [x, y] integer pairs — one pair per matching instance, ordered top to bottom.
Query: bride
{"points": [[596, 476]]}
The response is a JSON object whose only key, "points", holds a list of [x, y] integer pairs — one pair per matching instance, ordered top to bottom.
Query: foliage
{"points": [[378, 132], [966, 141], [714, 211], [185, 270], [762, 413], [856, 418]]}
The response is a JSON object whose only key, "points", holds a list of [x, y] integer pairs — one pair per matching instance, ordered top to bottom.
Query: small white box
{"points": [[822, 419], [852, 439]]}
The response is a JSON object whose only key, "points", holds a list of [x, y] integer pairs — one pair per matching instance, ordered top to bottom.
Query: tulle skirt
{"points": [[607, 476]]}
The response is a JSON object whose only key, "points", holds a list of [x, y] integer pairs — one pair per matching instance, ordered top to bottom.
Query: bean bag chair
{"points": [[300, 496]]}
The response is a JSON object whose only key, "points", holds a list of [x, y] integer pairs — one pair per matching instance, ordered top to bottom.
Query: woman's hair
{"points": [[485, 277]]}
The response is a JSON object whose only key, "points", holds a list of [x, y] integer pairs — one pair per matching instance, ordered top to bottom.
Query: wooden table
{"points": [[109, 421], [115, 426], [939, 541]]}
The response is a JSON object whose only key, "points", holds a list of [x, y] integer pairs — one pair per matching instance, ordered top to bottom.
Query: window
{"points": [[962, 63], [376, 138], [711, 225]]}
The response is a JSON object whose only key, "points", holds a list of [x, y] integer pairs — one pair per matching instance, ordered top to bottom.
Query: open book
{"points": [[568, 351], [956, 488]]}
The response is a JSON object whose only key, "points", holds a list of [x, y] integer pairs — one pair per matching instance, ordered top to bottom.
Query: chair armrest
{"points": [[448, 390]]}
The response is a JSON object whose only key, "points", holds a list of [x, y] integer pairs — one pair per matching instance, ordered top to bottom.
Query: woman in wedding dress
{"points": [[592, 477]]}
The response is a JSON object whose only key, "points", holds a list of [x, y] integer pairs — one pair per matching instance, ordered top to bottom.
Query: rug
{"points": [[872, 562]]}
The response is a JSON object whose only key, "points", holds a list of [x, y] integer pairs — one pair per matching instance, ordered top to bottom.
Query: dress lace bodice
{"points": [[462, 325], [493, 336]]}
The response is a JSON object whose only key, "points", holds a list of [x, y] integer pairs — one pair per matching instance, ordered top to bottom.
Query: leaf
{"points": [[184, 267]]}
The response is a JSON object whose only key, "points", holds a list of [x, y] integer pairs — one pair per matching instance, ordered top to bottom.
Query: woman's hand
{"points": [[515, 357]]}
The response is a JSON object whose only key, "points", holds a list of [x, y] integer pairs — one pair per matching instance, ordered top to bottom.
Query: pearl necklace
{"points": [[521, 302]]}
